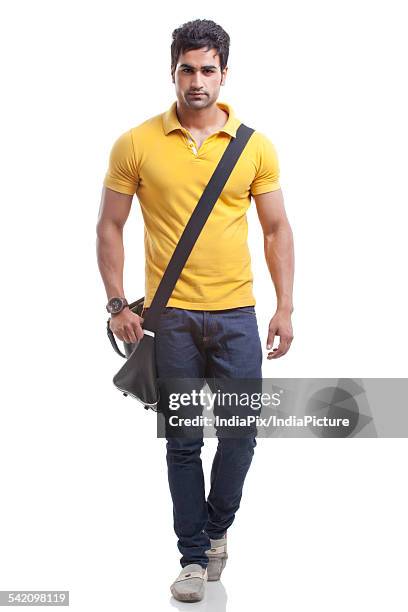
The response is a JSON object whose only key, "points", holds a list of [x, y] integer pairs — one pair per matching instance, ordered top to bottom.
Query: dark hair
{"points": [[196, 35]]}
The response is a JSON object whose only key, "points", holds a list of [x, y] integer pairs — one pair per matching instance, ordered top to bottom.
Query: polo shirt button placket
{"points": [[192, 145]]}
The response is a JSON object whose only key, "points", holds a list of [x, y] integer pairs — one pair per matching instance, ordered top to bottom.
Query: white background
{"points": [[85, 504]]}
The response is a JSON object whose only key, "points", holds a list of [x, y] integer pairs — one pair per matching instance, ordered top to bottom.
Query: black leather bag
{"points": [[138, 376]]}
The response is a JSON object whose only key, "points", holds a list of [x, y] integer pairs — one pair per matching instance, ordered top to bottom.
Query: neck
{"points": [[201, 118]]}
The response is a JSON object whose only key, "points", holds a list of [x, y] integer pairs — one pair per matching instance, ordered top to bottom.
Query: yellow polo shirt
{"points": [[158, 161]]}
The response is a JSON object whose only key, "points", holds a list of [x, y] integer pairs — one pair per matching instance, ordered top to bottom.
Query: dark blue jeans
{"points": [[201, 344]]}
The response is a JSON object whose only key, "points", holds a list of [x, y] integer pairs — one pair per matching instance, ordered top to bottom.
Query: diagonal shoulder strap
{"points": [[194, 226]]}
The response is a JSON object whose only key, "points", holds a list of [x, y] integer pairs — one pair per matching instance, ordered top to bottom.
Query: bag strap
{"points": [[194, 226], [113, 341]]}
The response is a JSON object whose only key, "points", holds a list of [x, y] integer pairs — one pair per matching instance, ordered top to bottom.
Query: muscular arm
{"points": [[113, 213], [279, 255]]}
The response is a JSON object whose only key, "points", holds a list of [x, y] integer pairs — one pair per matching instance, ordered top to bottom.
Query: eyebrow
{"points": [[189, 66]]}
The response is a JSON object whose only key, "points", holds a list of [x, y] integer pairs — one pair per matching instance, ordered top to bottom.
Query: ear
{"points": [[224, 75]]}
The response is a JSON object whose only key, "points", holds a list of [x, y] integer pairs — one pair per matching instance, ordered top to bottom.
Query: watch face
{"points": [[115, 305]]}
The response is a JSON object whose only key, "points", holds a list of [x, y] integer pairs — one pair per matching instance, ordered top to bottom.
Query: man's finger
{"points": [[138, 331], [130, 334], [271, 338], [280, 350]]}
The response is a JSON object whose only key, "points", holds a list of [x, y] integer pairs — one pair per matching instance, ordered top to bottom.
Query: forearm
{"points": [[279, 255], [111, 258]]}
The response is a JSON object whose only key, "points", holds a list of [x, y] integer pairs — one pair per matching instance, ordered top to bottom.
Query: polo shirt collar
{"points": [[171, 122]]}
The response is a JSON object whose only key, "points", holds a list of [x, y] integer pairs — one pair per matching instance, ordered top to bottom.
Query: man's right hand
{"points": [[126, 325]]}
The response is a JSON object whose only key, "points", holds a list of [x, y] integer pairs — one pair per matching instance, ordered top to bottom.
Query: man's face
{"points": [[198, 72]]}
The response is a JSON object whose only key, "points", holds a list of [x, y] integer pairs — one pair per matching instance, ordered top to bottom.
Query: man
{"points": [[209, 326]]}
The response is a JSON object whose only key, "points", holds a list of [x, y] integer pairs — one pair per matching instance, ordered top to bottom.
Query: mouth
{"points": [[196, 95]]}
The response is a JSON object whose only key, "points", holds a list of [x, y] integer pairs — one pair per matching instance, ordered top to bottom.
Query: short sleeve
{"points": [[122, 174], [267, 175]]}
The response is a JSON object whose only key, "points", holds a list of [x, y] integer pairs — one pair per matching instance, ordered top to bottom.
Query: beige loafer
{"points": [[217, 558], [190, 583]]}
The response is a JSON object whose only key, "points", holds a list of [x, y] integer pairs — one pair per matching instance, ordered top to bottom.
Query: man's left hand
{"points": [[280, 325]]}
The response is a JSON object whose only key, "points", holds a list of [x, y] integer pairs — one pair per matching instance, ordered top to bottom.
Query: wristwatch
{"points": [[116, 305]]}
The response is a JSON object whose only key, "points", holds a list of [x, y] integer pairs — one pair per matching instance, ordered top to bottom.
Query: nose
{"points": [[196, 81]]}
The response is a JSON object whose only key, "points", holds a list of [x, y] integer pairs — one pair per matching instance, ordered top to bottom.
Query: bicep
{"points": [[120, 183], [270, 207], [114, 208]]}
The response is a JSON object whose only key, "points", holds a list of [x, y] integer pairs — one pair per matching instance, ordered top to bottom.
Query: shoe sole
{"points": [[188, 596]]}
